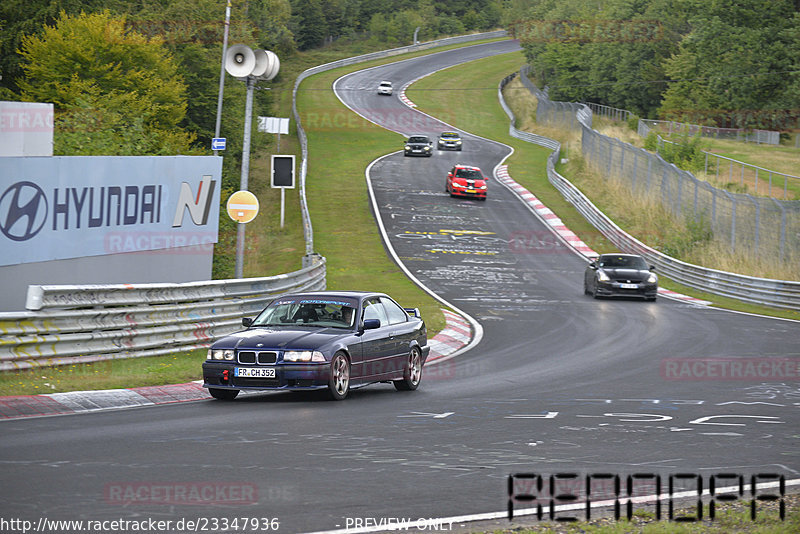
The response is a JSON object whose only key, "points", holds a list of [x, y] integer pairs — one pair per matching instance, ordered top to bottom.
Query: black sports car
{"points": [[418, 145], [621, 275], [333, 340]]}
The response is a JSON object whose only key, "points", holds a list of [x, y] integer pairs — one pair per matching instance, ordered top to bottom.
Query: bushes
{"points": [[685, 152]]}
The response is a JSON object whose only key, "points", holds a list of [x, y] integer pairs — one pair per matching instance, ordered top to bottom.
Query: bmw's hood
{"points": [[634, 275], [281, 338]]}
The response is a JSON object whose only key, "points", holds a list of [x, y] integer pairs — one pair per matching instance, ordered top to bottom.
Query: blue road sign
{"points": [[218, 143]]}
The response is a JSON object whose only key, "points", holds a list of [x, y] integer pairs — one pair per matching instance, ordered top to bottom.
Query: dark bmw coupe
{"points": [[621, 275], [333, 340]]}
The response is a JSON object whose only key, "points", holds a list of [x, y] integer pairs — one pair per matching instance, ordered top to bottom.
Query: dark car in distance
{"points": [[418, 145], [620, 275], [321, 340]]}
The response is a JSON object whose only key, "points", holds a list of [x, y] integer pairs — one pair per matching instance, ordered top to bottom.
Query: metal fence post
{"points": [[756, 180], [758, 222], [783, 226]]}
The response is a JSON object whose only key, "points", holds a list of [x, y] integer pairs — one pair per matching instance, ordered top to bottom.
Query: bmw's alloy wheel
{"points": [[412, 374], [340, 376]]}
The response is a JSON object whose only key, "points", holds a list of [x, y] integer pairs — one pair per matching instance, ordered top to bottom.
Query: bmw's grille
{"points": [[267, 357], [261, 358]]}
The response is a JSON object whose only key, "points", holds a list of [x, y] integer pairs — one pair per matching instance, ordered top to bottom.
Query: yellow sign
{"points": [[242, 206]]}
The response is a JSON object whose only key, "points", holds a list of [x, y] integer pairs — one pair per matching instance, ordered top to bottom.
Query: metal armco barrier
{"points": [[778, 293], [79, 324]]}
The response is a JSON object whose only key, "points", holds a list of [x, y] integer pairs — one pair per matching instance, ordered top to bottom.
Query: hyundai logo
{"points": [[23, 211]]}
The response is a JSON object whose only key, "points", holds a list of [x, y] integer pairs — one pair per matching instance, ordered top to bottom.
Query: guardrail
{"points": [[301, 135], [778, 293], [80, 324]]}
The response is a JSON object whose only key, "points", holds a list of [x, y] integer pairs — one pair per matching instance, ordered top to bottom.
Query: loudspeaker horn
{"points": [[240, 60], [267, 65]]}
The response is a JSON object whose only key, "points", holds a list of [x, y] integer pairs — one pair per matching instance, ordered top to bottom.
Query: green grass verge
{"points": [[111, 374]]}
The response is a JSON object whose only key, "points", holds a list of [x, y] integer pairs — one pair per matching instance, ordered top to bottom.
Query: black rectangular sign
{"points": [[283, 171]]}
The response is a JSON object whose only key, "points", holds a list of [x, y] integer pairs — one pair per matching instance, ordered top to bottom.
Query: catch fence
{"points": [[763, 227], [778, 293]]}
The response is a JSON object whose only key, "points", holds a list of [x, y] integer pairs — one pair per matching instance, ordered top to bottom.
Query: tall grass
{"points": [[645, 218]]}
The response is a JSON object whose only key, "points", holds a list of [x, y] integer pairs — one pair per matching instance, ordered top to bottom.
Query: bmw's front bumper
{"points": [[287, 376]]}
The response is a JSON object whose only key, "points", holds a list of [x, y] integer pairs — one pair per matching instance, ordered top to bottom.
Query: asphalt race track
{"points": [[559, 383]]}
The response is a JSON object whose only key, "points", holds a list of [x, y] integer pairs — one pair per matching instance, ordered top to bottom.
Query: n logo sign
{"points": [[199, 205]]}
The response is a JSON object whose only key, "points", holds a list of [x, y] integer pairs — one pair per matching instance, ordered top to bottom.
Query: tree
{"points": [[310, 26], [91, 64], [737, 66]]}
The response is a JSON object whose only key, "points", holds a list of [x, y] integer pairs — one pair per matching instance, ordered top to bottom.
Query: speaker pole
{"points": [[222, 72], [248, 114]]}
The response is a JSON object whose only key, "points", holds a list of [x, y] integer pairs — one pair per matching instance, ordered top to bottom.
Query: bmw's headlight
{"points": [[458, 142], [408, 147], [427, 148], [602, 276], [652, 279], [219, 354], [303, 356]]}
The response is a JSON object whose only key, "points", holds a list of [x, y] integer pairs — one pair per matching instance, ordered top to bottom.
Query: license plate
{"points": [[471, 191], [629, 286], [255, 372]]}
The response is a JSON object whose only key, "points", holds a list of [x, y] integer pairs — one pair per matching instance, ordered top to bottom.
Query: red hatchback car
{"points": [[466, 181]]}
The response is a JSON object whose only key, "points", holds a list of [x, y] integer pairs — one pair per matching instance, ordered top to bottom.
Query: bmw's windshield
{"points": [[322, 312]]}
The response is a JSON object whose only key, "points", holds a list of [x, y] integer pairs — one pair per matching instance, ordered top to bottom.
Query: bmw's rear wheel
{"points": [[412, 374], [339, 383], [223, 394]]}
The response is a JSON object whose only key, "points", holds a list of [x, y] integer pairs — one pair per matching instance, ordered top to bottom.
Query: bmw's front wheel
{"points": [[412, 374], [339, 383]]}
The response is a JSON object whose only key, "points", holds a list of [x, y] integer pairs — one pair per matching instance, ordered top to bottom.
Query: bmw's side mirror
{"points": [[593, 265], [652, 267], [247, 321], [371, 324]]}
